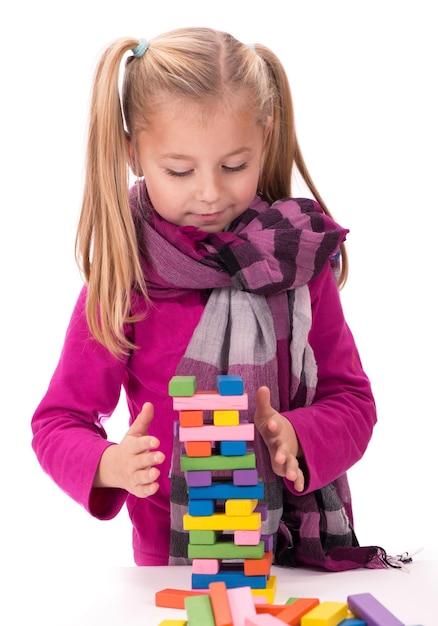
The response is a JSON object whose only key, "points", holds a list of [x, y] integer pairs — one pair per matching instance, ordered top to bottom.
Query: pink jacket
{"points": [[68, 425]]}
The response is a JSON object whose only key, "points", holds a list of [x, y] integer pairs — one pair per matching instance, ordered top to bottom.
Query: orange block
{"points": [[191, 418], [198, 448], [258, 567], [174, 598], [220, 604], [292, 613]]}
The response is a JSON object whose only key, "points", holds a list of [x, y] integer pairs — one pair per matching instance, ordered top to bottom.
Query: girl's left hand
{"points": [[280, 439]]}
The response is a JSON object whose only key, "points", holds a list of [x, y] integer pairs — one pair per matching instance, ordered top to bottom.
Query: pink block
{"points": [[210, 402], [242, 432], [247, 537], [205, 566], [241, 605], [263, 619]]}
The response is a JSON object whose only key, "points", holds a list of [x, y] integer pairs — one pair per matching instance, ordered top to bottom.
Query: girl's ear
{"points": [[132, 157]]}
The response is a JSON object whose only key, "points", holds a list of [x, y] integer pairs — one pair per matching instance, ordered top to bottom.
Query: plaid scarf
{"points": [[256, 274]]}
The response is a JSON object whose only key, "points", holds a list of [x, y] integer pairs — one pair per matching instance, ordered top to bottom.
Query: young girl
{"points": [[206, 266]]}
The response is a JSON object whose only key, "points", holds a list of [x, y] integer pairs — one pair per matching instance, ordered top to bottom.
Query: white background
{"points": [[363, 78]]}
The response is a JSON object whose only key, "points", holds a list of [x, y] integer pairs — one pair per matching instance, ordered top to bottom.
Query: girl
{"points": [[206, 266]]}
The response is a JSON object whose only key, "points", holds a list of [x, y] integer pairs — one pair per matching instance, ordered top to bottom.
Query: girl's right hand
{"points": [[131, 464]]}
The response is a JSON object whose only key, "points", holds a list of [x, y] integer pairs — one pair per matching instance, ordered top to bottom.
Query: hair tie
{"points": [[141, 48]]}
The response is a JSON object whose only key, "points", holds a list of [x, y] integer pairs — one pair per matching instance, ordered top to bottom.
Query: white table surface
{"points": [[125, 596]]}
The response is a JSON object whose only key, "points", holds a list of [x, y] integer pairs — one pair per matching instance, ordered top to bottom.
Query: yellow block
{"points": [[225, 418], [240, 507], [221, 521], [269, 592], [325, 614], [174, 622]]}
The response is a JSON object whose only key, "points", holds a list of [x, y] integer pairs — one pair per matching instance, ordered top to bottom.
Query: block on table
{"points": [[220, 604], [241, 604], [368, 608], [199, 610], [325, 614]]}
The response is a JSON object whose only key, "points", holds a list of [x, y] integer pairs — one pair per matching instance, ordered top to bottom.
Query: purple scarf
{"points": [[256, 273]]}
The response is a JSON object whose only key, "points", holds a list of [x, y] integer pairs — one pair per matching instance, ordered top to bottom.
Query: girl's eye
{"points": [[239, 168], [179, 174]]}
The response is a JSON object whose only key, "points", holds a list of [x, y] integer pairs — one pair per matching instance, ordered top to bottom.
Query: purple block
{"points": [[245, 477], [201, 478], [263, 510], [268, 540], [367, 607]]}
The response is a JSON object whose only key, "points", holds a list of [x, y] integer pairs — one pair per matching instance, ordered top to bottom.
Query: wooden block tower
{"points": [[225, 515]]}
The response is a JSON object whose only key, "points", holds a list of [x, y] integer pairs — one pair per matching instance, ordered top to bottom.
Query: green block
{"points": [[182, 386], [217, 462], [204, 537], [226, 550], [199, 610]]}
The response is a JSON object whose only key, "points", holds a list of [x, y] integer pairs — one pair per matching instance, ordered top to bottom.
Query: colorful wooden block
{"points": [[230, 385], [182, 386], [210, 402], [191, 418], [225, 418], [217, 433], [232, 448], [198, 449], [216, 462], [244, 477], [198, 479], [226, 490], [240, 507], [200, 508], [220, 521], [204, 537], [247, 537], [268, 541], [227, 549], [205, 566], [255, 567], [231, 578], [268, 592], [174, 598], [220, 604], [241, 605], [199, 610], [292, 613], [374, 613], [325, 614], [352, 621], [173, 622]]}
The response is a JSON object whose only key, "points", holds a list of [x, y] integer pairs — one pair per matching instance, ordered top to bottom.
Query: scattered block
{"points": [[268, 592], [174, 598], [220, 604], [241, 605], [199, 610], [370, 610], [293, 613], [325, 614], [263, 619], [352, 621], [173, 622]]}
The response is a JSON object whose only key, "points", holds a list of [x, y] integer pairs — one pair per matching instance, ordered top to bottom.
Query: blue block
{"points": [[230, 385], [232, 448], [227, 491], [201, 507], [232, 579], [352, 621]]}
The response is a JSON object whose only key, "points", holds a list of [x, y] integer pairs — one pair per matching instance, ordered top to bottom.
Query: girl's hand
{"points": [[280, 439], [131, 464]]}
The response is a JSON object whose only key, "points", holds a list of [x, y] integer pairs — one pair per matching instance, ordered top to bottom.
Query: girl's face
{"points": [[200, 170]]}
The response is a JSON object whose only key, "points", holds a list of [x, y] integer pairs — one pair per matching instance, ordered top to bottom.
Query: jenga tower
{"points": [[224, 516]]}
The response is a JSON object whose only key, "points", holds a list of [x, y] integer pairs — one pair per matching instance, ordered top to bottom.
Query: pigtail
{"points": [[283, 151], [106, 243]]}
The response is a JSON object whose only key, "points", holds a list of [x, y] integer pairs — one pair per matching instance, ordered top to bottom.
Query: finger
{"points": [[140, 426]]}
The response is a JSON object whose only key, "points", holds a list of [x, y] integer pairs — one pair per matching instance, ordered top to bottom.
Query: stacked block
{"points": [[225, 515]]}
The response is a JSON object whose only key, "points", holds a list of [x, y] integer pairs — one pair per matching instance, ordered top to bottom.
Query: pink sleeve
{"points": [[336, 429], [68, 436]]}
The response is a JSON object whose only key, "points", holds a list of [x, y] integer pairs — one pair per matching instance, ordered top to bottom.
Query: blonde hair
{"points": [[196, 64]]}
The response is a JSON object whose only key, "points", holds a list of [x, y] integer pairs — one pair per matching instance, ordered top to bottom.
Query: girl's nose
{"points": [[208, 188]]}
